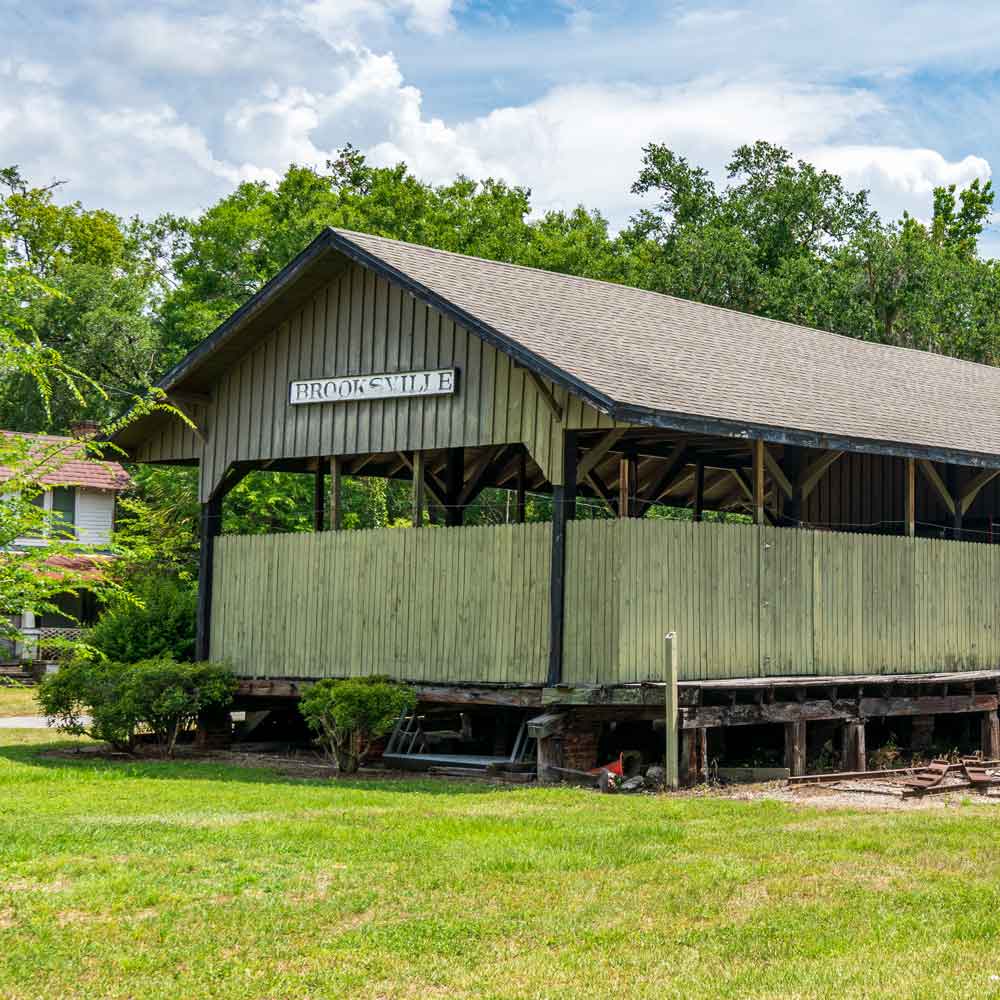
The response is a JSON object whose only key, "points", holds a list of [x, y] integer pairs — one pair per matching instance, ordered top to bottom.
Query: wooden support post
{"points": [[454, 477], [522, 482], [758, 482], [627, 485], [955, 488], [418, 489], [699, 490], [336, 494], [319, 496], [911, 497], [563, 511], [211, 525], [922, 732], [990, 743], [854, 745], [795, 747], [671, 757]]}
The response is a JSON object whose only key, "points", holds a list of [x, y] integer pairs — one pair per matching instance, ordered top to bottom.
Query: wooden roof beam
{"points": [[597, 453], [814, 471], [777, 473], [477, 474], [932, 476], [665, 480], [431, 483], [973, 488], [747, 490]]}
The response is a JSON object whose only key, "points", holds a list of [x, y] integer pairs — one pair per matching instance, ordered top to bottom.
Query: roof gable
{"points": [[650, 358]]}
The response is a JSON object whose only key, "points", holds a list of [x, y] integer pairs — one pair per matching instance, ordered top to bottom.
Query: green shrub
{"points": [[161, 624], [98, 689], [160, 696], [347, 716]]}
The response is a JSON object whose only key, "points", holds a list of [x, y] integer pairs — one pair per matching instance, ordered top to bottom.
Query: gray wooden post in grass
{"points": [[671, 758]]}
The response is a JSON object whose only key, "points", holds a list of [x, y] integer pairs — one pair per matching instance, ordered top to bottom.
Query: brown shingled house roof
{"points": [[654, 359], [68, 463]]}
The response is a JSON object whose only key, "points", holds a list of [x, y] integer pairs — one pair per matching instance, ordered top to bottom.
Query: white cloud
{"points": [[347, 20], [168, 109]]}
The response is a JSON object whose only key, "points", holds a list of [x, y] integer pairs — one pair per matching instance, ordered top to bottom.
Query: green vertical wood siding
{"points": [[748, 601], [435, 605], [456, 605]]}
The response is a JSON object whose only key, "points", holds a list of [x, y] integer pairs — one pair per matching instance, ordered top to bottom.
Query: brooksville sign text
{"points": [[332, 390]]}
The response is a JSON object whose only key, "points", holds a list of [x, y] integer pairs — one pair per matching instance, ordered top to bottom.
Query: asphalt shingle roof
{"points": [[656, 352]]}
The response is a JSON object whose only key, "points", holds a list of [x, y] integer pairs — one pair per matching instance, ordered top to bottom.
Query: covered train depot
{"points": [[856, 596]]}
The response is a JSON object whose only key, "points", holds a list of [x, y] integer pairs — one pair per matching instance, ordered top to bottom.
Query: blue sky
{"points": [[166, 106]]}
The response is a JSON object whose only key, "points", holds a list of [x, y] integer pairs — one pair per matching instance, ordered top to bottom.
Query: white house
{"points": [[84, 493]]}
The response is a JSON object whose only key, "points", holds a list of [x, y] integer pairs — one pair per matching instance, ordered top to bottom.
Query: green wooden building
{"points": [[859, 587]]}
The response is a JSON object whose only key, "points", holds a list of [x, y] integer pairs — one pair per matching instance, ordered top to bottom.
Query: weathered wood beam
{"points": [[547, 395], [595, 455], [360, 463], [815, 470], [777, 473], [910, 473], [477, 474], [522, 476], [627, 476], [932, 476], [432, 484], [419, 486], [658, 486], [973, 487], [601, 489], [699, 491], [758, 492], [336, 494], [319, 496], [563, 511], [761, 516], [826, 709], [854, 745], [795, 747]]}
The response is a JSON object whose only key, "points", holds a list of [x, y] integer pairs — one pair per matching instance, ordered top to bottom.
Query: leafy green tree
{"points": [[88, 284], [154, 618]]}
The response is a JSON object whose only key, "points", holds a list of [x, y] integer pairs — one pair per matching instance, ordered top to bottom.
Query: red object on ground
{"points": [[615, 767]]}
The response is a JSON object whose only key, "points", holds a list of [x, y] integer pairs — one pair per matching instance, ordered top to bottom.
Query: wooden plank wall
{"points": [[361, 324], [748, 601], [436, 604]]}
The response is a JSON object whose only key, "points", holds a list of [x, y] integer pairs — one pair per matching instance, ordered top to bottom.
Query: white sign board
{"points": [[387, 386]]}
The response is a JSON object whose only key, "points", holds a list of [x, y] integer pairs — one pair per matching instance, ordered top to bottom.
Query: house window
{"points": [[64, 511]]}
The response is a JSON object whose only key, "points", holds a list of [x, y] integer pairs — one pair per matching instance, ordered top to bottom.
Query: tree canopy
{"points": [[124, 299]]}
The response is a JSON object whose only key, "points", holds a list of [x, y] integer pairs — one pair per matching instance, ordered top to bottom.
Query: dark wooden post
{"points": [[454, 477], [522, 478], [758, 481], [628, 485], [955, 488], [418, 489], [699, 490], [336, 495], [319, 496], [911, 497], [563, 511], [211, 525], [990, 744], [854, 745], [795, 747]]}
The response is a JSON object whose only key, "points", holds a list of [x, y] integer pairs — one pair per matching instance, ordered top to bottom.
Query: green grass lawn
{"points": [[17, 700], [184, 880]]}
